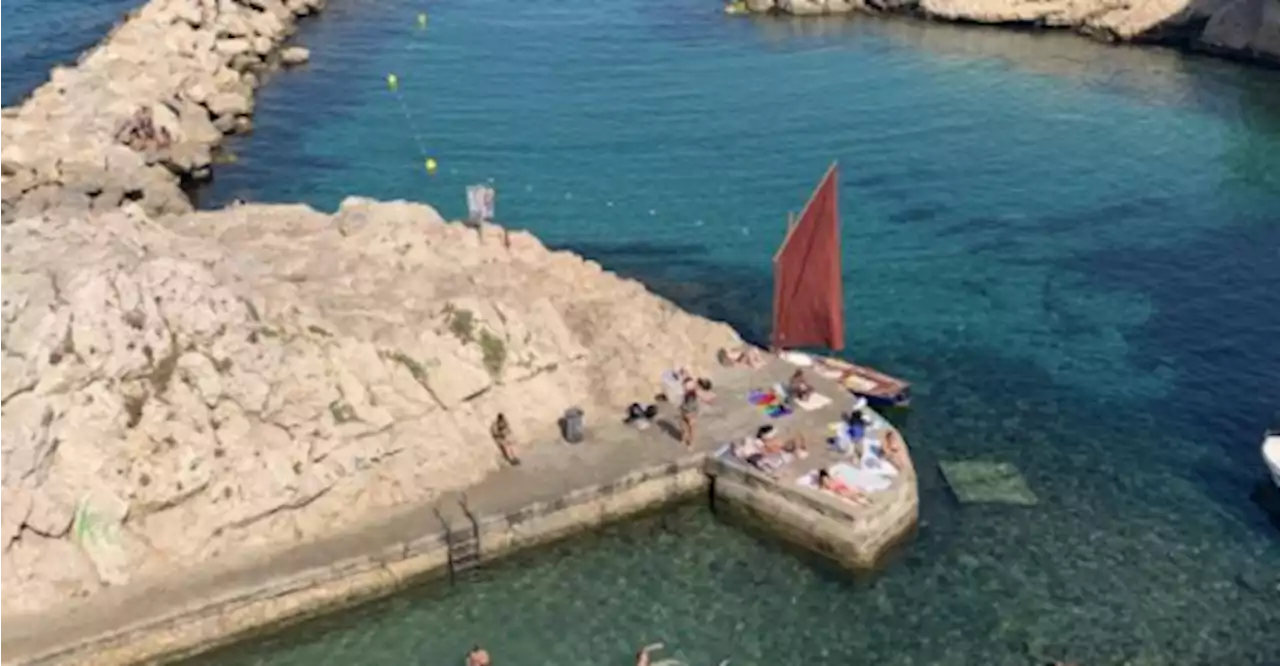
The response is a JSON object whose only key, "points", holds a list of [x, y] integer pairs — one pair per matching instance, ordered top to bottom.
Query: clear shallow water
{"points": [[1074, 251]]}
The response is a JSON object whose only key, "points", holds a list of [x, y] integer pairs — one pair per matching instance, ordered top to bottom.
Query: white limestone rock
{"points": [[294, 56], [256, 376]]}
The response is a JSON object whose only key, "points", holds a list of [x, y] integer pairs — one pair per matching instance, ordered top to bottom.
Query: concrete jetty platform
{"points": [[560, 489]]}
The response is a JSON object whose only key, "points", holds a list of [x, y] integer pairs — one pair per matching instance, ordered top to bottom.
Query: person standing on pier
{"points": [[689, 406]]}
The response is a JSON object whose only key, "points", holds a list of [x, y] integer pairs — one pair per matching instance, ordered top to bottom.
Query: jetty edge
{"points": [[189, 67], [619, 472]]}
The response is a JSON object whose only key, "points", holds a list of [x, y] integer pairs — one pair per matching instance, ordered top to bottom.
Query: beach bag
{"points": [[571, 425]]}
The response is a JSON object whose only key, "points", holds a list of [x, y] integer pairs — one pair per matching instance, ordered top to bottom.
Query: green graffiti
{"points": [[88, 526]]}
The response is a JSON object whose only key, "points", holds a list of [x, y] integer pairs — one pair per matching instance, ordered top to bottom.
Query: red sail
{"points": [[808, 298]]}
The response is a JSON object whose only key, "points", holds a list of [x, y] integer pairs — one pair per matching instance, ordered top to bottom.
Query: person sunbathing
{"points": [[745, 356], [798, 386], [767, 436], [797, 446], [749, 450], [894, 451], [835, 486]]}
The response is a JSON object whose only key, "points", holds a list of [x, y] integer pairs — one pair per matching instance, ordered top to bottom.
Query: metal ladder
{"points": [[464, 548]]}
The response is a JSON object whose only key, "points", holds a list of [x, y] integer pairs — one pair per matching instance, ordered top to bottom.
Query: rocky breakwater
{"points": [[1248, 29], [142, 112], [255, 377]]}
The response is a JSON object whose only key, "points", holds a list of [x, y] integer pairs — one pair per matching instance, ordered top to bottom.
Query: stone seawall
{"points": [[1242, 29], [141, 114], [856, 537], [212, 607]]}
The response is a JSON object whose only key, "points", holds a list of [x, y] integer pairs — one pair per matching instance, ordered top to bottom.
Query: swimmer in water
{"points": [[478, 657], [642, 657]]}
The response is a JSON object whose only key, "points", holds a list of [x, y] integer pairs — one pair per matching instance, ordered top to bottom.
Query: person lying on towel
{"points": [[746, 355], [773, 445], [833, 485]]}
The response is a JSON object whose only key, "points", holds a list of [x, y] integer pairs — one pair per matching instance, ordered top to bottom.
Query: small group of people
{"points": [[140, 132], [852, 438], [767, 451]]}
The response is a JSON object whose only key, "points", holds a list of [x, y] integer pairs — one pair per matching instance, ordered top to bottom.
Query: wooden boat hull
{"points": [[879, 389]]}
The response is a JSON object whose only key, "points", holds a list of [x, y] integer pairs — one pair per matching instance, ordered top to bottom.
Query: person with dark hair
{"points": [[798, 386], [689, 406], [640, 416], [501, 431], [835, 486]]}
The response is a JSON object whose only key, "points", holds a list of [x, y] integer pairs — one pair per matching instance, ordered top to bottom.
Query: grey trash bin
{"points": [[571, 425]]}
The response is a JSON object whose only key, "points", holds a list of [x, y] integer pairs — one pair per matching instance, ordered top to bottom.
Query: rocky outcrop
{"points": [[1248, 29], [143, 111], [265, 374]]}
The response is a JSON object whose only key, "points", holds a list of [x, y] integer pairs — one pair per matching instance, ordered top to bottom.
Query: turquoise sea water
{"points": [[39, 34], [1073, 250]]}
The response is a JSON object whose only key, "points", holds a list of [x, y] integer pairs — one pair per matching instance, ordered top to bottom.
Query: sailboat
{"points": [[808, 299]]}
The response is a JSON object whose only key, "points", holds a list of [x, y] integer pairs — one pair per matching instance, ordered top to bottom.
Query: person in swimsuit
{"points": [[747, 355], [798, 386], [689, 406], [501, 432], [894, 451], [833, 485], [478, 656]]}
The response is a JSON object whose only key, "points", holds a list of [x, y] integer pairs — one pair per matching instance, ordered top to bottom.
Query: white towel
{"points": [[814, 402], [866, 480]]}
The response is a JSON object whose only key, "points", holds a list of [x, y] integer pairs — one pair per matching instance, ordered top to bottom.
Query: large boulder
{"points": [[1245, 27]]}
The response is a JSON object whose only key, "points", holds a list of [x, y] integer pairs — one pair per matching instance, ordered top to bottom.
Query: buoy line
{"points": [[650, 234]]}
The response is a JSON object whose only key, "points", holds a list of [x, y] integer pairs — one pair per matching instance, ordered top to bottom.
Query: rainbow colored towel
{"points": [[769, 402]]}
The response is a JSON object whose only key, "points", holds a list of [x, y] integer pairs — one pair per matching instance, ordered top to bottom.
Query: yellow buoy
{"points": [[422, 20], [393, 82], [431, 165]]}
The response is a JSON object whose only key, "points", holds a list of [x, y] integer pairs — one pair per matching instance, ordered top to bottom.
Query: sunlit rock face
{"points": [[263, 375]]}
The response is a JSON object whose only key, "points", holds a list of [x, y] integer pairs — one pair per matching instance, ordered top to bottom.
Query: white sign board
{"points": [[480, 203]]}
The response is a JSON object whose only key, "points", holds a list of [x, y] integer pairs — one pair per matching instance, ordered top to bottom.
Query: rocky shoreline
{"points": [[1247, 30], [139, 117], [215, 383], [185, 386]]}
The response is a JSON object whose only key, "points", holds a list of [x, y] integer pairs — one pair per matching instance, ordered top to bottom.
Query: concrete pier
{"points": [[561, 489]]}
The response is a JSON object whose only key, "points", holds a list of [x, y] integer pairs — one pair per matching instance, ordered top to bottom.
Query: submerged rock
{"points": [[262, 375]]}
